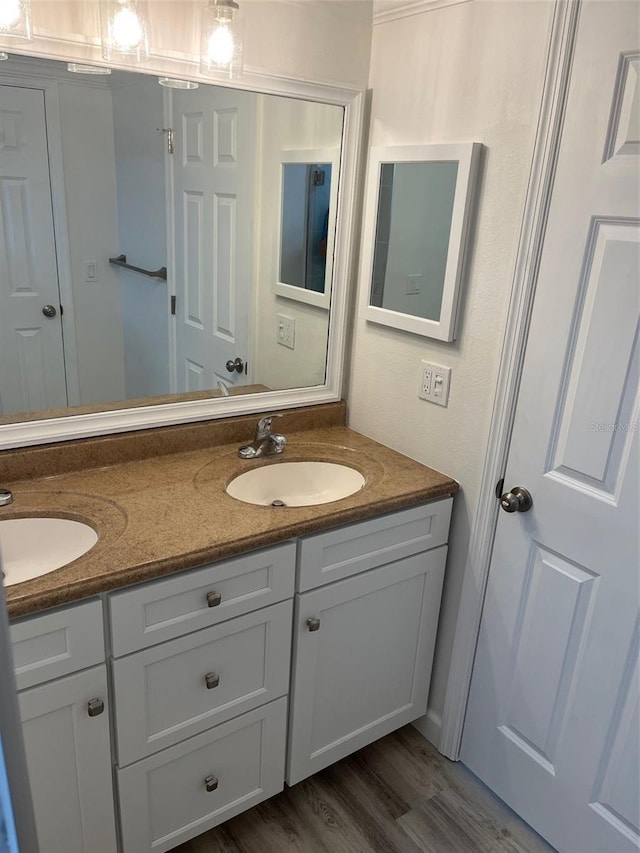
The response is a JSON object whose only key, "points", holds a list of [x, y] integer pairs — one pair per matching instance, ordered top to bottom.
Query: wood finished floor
{"points": [[398, 795]]}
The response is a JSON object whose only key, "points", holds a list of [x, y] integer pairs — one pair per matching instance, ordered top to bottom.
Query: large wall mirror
{"points": [[418, 211], [140, 247]]}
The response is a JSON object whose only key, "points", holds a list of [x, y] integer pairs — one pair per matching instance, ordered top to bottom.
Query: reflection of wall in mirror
{"points": [[287, 124], [415, 207]]}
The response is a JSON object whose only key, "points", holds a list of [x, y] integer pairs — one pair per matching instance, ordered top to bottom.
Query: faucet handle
{"points": [[263, 428]]}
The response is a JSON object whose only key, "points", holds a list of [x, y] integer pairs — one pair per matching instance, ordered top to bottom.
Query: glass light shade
{"points": [[15, 19], [125, 29], [221, 39], [3, 56], [79, 68], [173, 83]]}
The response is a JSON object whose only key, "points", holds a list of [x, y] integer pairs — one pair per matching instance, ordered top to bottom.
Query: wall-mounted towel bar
{"points": [[121, 261]]}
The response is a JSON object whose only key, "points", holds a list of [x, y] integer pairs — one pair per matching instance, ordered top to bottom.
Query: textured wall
{"points": [[464, 73]]}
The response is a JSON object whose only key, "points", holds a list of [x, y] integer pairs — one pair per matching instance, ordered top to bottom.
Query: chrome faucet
{"points": [[266, 443], [5, 497]]}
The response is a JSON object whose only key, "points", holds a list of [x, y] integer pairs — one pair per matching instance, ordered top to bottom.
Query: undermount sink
{"points": [[296, 484], [32, 547]]}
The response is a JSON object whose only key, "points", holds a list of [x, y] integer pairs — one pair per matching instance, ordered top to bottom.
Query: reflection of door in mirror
{"points": [[31, 348]]}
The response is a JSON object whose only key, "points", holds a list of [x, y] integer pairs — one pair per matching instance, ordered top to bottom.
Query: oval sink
{"points": [[296, 484], [31, 547]]}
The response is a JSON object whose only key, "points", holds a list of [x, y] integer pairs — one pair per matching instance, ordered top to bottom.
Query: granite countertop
{"points": [[166, 513]]}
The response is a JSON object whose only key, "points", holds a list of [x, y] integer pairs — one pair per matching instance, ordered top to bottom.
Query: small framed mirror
{"points": [[308, 198], [417, 214]]}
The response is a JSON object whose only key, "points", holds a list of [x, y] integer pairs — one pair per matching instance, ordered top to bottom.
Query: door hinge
{"points": [[170, 137], [173, 305]]}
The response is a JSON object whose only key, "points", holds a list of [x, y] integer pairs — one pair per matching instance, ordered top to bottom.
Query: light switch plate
{"points": [[286, 331], [433, 383]]}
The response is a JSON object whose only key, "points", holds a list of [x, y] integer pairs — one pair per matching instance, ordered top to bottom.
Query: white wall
{"points": [[471, 72], [285, 124], [140, 174], [90, 190]]}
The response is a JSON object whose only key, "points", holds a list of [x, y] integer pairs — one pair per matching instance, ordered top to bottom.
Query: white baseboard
{"points": [[429, 727]]}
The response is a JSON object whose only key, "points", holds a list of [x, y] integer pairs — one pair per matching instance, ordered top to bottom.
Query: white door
{"points": [[213, 209], [31, 351], [552, 724], [69, 763]]}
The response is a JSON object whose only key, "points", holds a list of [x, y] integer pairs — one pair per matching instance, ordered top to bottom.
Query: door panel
{"points": [[213, 198], [31, 349], [552, 718]]}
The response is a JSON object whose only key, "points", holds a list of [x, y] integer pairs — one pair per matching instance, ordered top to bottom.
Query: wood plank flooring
{"points": [[398, 795]]}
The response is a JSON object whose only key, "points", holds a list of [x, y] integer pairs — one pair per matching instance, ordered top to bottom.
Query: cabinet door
{"points": [[364, 670], [69, 763]]}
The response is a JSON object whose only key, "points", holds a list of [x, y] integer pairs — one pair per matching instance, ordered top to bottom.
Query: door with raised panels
{"points": [[213, 234], [31, 351], [552, 723]]}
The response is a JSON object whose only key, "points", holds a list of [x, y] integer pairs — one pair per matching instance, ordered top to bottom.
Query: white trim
{"points": [[407, 10], [549, 131], [467, 157], [289, 291], [80, 426], [429, 726]]}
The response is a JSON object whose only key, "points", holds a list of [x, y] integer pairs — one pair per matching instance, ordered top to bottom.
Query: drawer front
{"points": [[338, 554], [161, 610], [57, 643], [178, 689], [190, 788]]}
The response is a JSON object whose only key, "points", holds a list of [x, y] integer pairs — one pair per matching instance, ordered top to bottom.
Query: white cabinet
{"points": [[362, 659], [65, 724], [69, 761]]}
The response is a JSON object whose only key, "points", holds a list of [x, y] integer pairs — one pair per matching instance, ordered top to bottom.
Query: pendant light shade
{"points": [[15, 19], [125, 30], [221, 39]]}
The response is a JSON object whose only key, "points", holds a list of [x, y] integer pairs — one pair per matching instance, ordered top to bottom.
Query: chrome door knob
{"points": [[49, 311], [237, 365], [517, 500]]}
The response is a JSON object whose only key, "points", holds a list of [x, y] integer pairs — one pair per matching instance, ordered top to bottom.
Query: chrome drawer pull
{"points": [[213, 599], [313, 623], [211, 680], [95, 707], [210, 783]]}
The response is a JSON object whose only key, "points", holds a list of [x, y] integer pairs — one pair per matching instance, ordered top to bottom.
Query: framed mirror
{"points": [[418, 207], [307, 219], [160, 250]]}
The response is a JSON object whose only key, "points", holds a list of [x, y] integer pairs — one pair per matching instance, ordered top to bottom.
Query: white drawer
{"points": [[345, 551], [161, 610], [57, 643], [178, 689], [164, 799]]}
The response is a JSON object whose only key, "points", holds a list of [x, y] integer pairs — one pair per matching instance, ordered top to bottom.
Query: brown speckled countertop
{"points": [[170, 512]]}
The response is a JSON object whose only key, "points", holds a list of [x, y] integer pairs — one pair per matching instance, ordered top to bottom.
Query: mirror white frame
{"points": [[467, 155], [289, 291], [29, 433]]}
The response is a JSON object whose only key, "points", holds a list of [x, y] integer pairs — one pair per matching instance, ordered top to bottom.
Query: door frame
{"points": [[560, 54], [24, 80]]}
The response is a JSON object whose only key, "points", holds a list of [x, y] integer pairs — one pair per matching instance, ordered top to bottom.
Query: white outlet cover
{"points": [[433, 383]]}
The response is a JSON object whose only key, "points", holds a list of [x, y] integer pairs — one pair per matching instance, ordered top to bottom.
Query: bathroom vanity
{"points": [[167, 699]]}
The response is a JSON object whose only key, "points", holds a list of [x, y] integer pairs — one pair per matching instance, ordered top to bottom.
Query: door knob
{"points": [[49, 311], [237, 365], [517, 500]]}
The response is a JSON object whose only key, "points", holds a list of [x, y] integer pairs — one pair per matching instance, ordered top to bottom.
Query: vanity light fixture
{"points": [[15, 19], [125, 30], [221, 39], [79, 68], [173, 83]]}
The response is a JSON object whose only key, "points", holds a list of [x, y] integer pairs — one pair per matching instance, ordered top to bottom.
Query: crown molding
{"points": [[414, 7]]}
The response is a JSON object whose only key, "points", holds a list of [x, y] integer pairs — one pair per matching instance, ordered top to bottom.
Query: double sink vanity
{"points": [[207, 648]]}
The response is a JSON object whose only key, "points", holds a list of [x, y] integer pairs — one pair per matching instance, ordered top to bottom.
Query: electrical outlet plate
{"points": [[286, 331], [433, 383]]}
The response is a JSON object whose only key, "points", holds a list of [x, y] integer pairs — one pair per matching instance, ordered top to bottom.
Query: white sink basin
{"points": [[296, 484], [31, 547]]}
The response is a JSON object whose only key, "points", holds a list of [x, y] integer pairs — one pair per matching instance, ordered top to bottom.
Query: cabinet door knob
{"points": [[213, 599], [313, 623], [211, 680], [95, 707], [210, 783]]}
